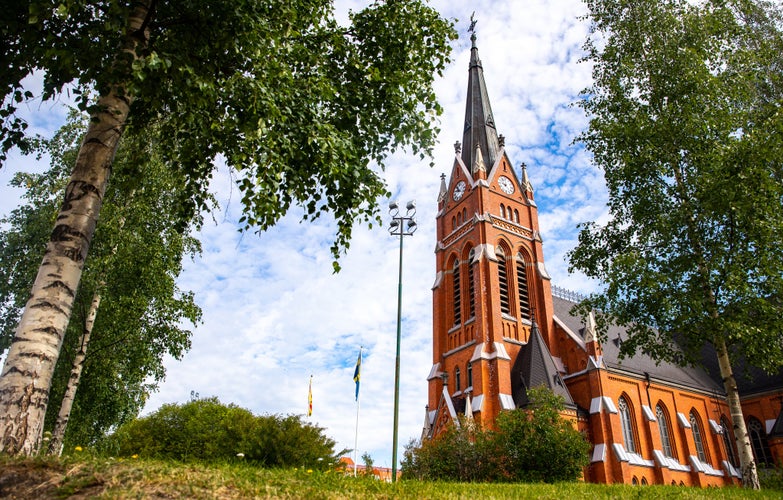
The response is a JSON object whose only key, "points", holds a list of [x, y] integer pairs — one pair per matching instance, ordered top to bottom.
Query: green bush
{"points": [[208, 430], [532, 445], [771, 478]]}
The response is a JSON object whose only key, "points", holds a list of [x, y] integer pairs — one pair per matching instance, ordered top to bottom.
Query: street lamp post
{"points": [[401, 225]]}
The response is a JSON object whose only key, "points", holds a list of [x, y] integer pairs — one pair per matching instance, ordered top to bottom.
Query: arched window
{"points": [[502, 211], [464, 215], [516, 216], [459, 218], [453, 223], [503, 281], [471, 285], [522, 290], [456, 293], [469, 369], [457, 384], [626, 421], [663, 429], [696, 430], [758, 440], [728, 441], [634, 481], [644, 481]]}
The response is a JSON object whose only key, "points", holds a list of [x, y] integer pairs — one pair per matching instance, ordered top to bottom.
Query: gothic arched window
{"points": [[502, 211], [516, 216], [503, 281], [471, 285], [522, 288], [456, 293], [469, 370], [457, 381], [626, 421], [663, 429], [697, 436], [758, 440], [728, 441]]}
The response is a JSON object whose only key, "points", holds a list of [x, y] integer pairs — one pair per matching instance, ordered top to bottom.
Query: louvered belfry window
{"points": [[503, 280], [471, 287], [522, 288], [456, 296]]}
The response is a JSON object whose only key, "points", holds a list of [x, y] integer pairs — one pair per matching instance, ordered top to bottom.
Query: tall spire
{"points": [[479, 123]]}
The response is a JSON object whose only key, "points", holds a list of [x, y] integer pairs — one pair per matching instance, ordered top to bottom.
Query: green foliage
{"points": [[304, 109], [685, 121], [135, 259], [205, 429], [534, 444], [537, 444], [771, 478]]}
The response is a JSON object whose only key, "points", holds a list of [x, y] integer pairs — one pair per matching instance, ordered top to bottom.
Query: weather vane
{"points": [[472, 28]]}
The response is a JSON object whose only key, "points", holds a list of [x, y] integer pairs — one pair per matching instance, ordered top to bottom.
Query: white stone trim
{"points": [[507, 402], [648, 414], [683, 421], [599, 453], [669, 462]]}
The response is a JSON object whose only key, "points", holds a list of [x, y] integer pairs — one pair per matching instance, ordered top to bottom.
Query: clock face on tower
{"points": [[506, 185], [459, 190]]}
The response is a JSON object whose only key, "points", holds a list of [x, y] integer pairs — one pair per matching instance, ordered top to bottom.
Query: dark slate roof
{"points": [[640, 364], [535, 367], [750, 380]]}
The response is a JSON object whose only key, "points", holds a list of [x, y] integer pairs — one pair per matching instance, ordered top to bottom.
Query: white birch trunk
{"points": [[27, 374], [58, 433], [750, 477]]}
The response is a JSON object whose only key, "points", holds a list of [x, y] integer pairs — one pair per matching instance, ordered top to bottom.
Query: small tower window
{"points": [[502, 211], [464, 215], [516, 216], [459, 218], [453, 223], [503, 281], [522, 288], [456, 294], [469, 370], [457, 383], [626, 421], [696, 430]]}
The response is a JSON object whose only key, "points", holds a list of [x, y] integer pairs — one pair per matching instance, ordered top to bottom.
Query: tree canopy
{"points": [[305, 111], [685, 121]]}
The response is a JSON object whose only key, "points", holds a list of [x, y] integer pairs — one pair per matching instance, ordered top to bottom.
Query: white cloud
{"points": [[274, 313]]}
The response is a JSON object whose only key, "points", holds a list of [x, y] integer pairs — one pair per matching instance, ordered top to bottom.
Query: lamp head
{"points": [[411, 205]]}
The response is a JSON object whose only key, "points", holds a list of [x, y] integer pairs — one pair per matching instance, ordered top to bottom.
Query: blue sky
{"points": [[274, 313]]}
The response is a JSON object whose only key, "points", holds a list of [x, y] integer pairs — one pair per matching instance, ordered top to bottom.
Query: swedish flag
{"points": [[357, 373]]}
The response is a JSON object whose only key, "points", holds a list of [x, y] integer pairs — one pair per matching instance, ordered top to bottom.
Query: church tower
{"points": [[492, 293]]}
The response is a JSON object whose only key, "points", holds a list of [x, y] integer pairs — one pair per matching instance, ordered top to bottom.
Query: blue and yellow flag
{"points": [[357, 373]]}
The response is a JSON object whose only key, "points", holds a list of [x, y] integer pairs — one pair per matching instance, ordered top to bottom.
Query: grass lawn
{"points": [[45, 478]]}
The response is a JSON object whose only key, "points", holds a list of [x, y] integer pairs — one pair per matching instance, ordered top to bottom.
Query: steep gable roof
{"points": [[534, 367]]}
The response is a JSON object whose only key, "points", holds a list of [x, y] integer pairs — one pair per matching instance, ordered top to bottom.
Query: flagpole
{"points": [[356, 433]]}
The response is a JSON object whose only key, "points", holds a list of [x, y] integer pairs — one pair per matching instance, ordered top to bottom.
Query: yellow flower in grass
{"points": [[78, 448], [134, 456]]}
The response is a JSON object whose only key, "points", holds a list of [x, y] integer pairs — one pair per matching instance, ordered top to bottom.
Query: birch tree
{"points": [[304, 110], [685, 121], [136, 257]]}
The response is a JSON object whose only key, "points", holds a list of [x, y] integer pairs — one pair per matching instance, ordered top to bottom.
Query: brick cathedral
{"points": [[501, 327]]}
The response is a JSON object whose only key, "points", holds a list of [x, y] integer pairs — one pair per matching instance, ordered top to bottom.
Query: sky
{"points": [[274, 312]]}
